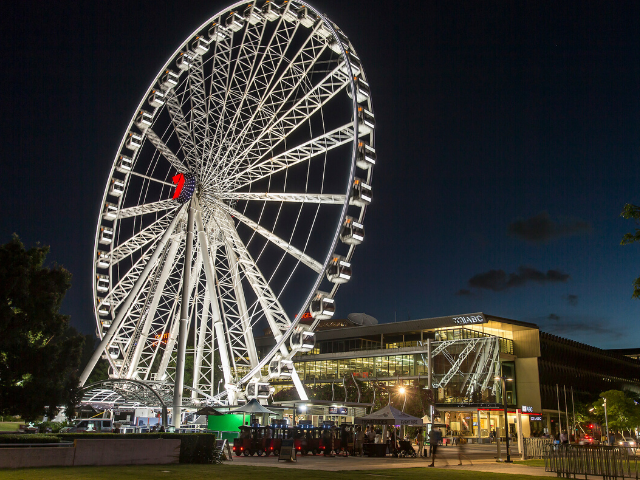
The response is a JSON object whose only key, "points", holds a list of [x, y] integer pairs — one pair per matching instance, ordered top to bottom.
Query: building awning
{"points": [[389, 416]]}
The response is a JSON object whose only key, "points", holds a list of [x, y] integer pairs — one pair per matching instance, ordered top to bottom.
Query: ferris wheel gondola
{"points": [[237, 194]]}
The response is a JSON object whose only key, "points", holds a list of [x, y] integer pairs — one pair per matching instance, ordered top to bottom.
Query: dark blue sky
{"points": [[508, 138]]}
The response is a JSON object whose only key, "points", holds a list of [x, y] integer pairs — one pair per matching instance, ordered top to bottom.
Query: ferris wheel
{"points": [[234, 205]]}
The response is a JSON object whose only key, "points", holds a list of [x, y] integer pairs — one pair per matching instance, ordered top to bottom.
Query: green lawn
{"points": [[9, 426], [531, 463], [231, 472]]}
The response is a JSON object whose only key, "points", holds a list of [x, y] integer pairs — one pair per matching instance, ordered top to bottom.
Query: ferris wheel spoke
{"points": [[239, 79], [260, 80], [218, 89], [276, 92], [199, 113], [298, 114], [181, 127], [312, 148], [165, 151], [153, 179], [323, 198], [148, 208], [273, 238], [141, 239], [209, 254], [131, 295], [275, 314], [175, 327], [141, 336]]}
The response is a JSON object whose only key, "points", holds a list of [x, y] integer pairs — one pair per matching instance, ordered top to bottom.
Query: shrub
{"points": [[54, 426], [29, 438], [194, 447]]}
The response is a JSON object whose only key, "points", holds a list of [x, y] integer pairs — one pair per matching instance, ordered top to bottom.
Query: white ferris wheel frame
{"points": [[162, 225]]}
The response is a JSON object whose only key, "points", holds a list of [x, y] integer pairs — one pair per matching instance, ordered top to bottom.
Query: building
{"points": [[469, 353]]}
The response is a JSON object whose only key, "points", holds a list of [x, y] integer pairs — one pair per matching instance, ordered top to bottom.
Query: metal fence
{"points": [[535, 447], [578, 461]]}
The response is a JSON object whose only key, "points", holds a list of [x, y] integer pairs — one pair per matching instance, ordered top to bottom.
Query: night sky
{"points": [[508, 141]]}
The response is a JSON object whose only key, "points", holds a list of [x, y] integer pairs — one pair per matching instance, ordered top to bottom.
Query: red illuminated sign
{"points": [[179, 181]]}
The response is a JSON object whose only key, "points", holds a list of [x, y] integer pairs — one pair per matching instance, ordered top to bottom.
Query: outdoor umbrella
{"points": [[252, 407], [208, 411], [389, 416]]}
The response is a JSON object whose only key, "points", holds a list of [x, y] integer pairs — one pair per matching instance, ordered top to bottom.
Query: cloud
{"points": [[541, 228], [499, 280], [464, 292], [571, 299], [554, 317], [577, 326]]}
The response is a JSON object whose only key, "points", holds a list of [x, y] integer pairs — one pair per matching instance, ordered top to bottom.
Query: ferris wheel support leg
{"points": [[127, 302], [215, 309], [184, 318], [144, 334], [200, 336]]}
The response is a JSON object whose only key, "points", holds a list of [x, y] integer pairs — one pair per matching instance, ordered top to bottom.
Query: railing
{"points": [[535, 447], [568, 461]]}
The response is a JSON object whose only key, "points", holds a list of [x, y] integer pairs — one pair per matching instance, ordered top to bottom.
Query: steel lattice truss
{"points": [[235, 203], [471, 365]]}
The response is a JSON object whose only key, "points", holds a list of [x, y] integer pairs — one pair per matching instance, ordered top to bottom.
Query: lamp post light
{"points": [[504, 381], [403, 392]]}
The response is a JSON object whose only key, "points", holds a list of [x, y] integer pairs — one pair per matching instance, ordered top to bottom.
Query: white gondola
{"points": [[271, 11], [289, 12], [252, 14], [307, 19], [234, 22], [323, 31], [218, 33], [200, 45], [184, 60], [354, 61], [169, 80], [363, 92], [156, 99], [144, 120], [366, 121], [134, 141], [366, 157], [124, 164], [117, 187], [361, 194], [110, 211], [352, 232], [106, 235], [102, 260], [339, 270], [102, 283], [103, 307], [322, 307], [106, 323], [303, 339], [114, 351], [280, 367], [258, 390]]}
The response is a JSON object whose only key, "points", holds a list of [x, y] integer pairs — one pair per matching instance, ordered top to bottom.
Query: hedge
{"points": [[29, 438], [194, 447]]}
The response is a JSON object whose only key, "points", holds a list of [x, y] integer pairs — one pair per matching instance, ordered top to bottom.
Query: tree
{"points": [[632, 212], [39, 354], [622, 412]]}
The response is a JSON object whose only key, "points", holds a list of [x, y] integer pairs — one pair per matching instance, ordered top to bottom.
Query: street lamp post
{"points": [[504, 381], [403, 392], [606, 419]]}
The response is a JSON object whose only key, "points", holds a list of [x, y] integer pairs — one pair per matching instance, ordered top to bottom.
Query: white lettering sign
{"points": [[467, 319], [527, 409]]}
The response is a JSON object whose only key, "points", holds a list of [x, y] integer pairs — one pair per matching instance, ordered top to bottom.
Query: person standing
{"points": [[434, 438], [359, 441], [420, 442]]}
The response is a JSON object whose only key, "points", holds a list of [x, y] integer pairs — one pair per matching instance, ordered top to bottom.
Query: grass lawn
{"points": [[9, 426], [532, 463], [230, 472]]}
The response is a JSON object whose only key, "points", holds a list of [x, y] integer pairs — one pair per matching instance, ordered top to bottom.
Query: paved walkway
{"points": [[448, 460]]}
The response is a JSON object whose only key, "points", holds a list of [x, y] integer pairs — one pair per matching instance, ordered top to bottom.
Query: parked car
{"points": [[92, 425], [628, 442]]}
